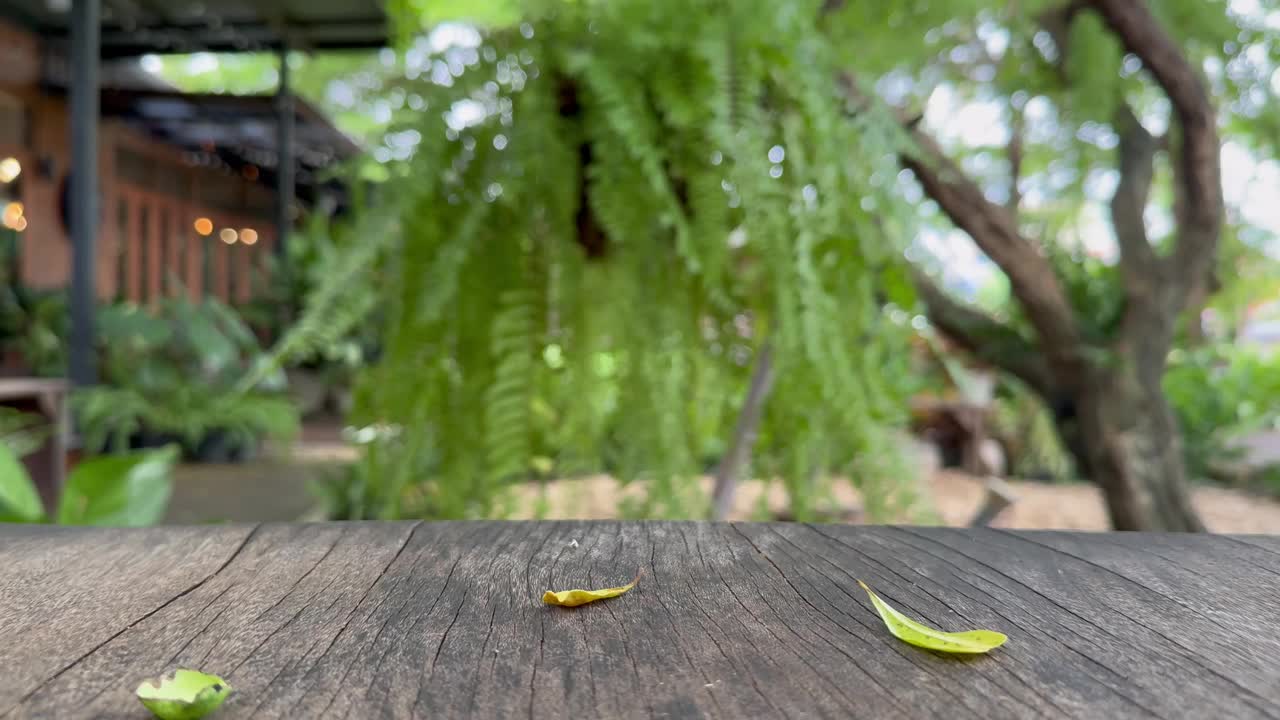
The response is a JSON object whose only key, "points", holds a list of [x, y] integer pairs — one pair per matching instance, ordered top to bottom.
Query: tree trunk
{"points": [[1196, 304], [1113, 417], [744, 435], [1123, 436]]}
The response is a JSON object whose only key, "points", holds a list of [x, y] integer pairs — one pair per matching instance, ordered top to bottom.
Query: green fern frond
{"points": [[730, 196]]}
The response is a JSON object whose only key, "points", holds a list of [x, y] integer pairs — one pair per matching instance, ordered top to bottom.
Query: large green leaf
{"points": [[132, 328], [119, 490], [19, 501]]}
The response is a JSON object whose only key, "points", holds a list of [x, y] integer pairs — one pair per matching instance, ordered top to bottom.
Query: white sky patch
{"points": [[447, 35], [994, 38], [340, 92], [464, 114], [970, 123], [1253, 187], [964, 268]]}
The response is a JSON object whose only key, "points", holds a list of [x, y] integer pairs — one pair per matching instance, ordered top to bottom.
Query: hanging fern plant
{"points": [[604, 215]]}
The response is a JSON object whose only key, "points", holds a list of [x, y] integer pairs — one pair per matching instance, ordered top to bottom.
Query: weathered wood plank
{"points": [[67, 599], [441, 620]]}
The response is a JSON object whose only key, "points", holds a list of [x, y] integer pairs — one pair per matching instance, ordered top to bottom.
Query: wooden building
{"points": [[83, 38], [187, 183]]}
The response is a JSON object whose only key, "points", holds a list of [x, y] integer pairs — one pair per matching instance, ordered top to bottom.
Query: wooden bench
{"points": [[48, 398], [444, 620]]}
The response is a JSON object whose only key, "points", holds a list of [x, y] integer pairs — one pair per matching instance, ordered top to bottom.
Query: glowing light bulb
{"points": [[10, 169], [12, 214]]}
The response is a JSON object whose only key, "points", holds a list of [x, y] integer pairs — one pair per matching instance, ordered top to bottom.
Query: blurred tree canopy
{"points": [[602, 215]]}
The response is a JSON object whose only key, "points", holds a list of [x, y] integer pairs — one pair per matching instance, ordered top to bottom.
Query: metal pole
{"points": [[85, 45], [284, 168]]}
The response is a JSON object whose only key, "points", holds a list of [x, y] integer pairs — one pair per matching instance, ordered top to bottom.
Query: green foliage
{"points": [[491, 13], [313, 77], [1094, 84], [709, 174], [1249, 274], [1093, 289], [340, 291], [35, 323], [175, 371], [1219, 393], [187, 414], [1025, 429], [22, 432], [119, 490], [130, 490], [341, 492], [19, 500]]}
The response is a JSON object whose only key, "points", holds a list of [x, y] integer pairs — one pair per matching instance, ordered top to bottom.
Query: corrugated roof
{"points": [[137, 27], [241, 124], [234, 130]]}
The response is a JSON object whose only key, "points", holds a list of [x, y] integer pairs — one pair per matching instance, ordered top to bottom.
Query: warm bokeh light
{"points": [[10, 169], [12, 214], [20, 225], [204, 226], [228, 235], [248, 236]]}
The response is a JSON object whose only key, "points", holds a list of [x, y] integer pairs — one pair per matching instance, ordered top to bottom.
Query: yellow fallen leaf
{"points": [[574, 598], [910, 631]]}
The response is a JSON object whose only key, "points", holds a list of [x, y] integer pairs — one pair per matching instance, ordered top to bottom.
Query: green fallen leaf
{"points": [[910, 631], [183, 695]]}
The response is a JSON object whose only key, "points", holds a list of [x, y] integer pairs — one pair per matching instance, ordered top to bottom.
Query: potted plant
{"points": [[171, 378]]}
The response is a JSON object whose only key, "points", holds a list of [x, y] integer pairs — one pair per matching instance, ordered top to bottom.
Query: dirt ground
{"points": [[276, 490], [954, 497]]}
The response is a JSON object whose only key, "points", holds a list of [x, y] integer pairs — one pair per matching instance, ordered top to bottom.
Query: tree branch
{"points": [[1017, 121], [1197, 171], [995, 231], [1138, 261], [986, 338]]}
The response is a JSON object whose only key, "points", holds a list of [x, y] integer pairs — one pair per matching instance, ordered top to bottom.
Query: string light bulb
{"points": [[10, 169], [12, 214]]}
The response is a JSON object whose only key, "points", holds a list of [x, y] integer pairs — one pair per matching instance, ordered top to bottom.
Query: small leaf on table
{"points": [[573, 598], [910, 631], [183, 695]]}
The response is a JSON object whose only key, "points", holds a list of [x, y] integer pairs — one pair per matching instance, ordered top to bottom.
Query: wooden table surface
{"points": [[444, 620]]}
